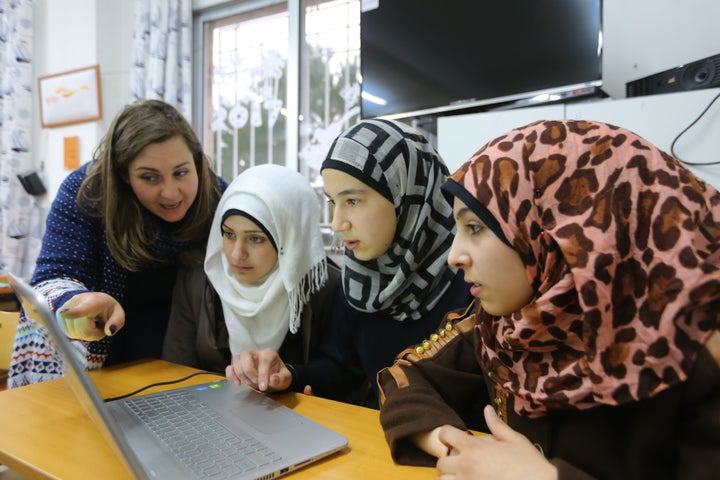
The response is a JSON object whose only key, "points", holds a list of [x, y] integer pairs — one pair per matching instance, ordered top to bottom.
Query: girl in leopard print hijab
{"points": [[621, 245], [596, 330]]}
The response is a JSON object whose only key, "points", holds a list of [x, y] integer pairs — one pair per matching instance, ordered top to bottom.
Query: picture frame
{"points": [[70, 97]]}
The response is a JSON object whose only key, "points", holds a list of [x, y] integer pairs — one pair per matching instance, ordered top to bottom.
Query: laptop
{"points": [[254, 436]]}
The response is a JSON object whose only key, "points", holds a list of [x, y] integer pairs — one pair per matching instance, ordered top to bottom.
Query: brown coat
{"points": [[197, 336], [674, 435]]}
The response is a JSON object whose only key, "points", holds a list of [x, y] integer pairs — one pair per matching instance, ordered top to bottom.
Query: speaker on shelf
{"points": [[703, 73]]}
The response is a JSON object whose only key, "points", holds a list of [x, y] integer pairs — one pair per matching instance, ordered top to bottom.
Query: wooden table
{"points": [[45, 433]]}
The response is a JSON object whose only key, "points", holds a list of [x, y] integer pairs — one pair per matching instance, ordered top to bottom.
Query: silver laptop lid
{"points": [[37, 309]]}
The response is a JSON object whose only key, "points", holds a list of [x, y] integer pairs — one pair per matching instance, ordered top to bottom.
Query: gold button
{"points": [[448, 326], [441, 333], [434, 337], [426, 345], [419, 350], [498, 401]]}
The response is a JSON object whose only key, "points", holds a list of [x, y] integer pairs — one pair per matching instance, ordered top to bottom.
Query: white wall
{"points": [[71, 34], [642, 37], [61, 44]]}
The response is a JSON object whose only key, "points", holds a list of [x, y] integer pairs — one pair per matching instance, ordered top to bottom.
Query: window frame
{"points": [[201, 86]]}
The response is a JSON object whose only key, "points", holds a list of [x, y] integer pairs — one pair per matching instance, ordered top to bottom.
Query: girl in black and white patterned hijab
{"points": [[384, 178]]}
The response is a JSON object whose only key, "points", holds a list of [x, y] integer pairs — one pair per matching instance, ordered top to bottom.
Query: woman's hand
{"points": [[91, 316], [262, 370], [430, 442], [506, 454]]}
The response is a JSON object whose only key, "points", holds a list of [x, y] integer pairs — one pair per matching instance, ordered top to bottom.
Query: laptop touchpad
{"points": [[265, 415]]}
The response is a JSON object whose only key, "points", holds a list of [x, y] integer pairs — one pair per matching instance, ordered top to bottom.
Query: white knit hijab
{"points": [[260, 315]]}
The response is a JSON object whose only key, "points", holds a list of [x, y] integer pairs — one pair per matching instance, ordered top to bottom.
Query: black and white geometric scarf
{"points": [[397, 161]]}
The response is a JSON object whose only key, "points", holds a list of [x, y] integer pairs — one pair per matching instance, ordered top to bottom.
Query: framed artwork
{"points": [[70, 97]]}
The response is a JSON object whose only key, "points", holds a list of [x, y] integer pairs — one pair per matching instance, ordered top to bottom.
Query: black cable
{"points": [[672, 146], [170, 382]]}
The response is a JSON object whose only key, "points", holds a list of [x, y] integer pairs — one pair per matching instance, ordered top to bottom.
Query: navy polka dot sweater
{"points": [[74, 257]]}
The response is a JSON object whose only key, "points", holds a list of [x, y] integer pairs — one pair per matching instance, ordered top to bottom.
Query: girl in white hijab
{"points": [[267, 265]]}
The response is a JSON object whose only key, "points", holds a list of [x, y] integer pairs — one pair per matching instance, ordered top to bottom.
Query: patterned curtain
{"points": [[162, 46], [20, 221]]}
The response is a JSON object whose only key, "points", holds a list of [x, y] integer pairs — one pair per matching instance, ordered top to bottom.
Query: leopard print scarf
{"points": [[622, 245]]}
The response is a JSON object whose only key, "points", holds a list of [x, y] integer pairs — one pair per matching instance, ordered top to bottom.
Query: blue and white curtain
{"points": [[162, 52], [20, 224]]}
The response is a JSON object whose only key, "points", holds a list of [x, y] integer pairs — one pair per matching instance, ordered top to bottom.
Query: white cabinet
{"points": [[658, 118]]}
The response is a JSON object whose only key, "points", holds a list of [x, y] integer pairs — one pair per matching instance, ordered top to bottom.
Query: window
{"points": [[265, 98]]}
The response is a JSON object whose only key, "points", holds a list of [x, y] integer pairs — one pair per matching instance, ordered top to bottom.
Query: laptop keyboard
{"points": [[189, 429]]}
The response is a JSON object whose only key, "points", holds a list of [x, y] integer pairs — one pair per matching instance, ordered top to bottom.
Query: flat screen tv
{"points": [[425, 56]]}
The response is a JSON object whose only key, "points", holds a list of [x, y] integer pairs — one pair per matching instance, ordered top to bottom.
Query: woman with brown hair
{"points": [[115, 235]]}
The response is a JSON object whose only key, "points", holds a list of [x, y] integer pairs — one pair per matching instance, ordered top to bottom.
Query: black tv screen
{"points": [[421, 56]]}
